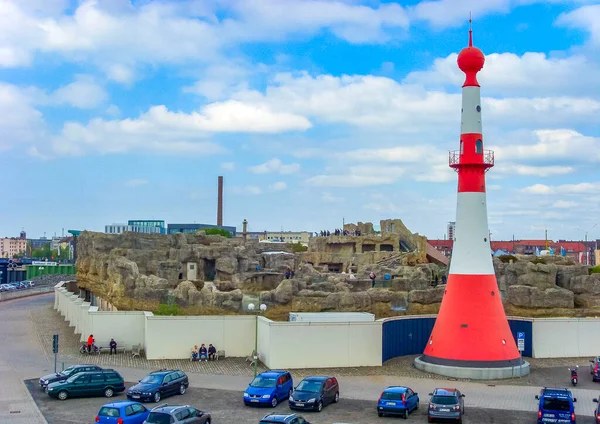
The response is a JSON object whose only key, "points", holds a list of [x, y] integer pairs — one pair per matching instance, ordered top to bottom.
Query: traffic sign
{"points": [[521, 341]]}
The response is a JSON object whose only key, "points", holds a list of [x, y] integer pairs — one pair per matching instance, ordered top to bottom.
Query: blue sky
{"points": [[314, 111]]}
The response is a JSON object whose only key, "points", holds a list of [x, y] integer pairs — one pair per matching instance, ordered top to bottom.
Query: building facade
{"points": [[147, 226], [116, 228], [193, 228], [450, 230], [288, 236], [9, 247]]}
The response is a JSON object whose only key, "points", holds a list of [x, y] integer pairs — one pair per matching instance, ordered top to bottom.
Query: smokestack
{"points": [[220, 203]]}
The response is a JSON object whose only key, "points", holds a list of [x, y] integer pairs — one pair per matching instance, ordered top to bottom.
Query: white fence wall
{"points": [[127, 328], [172, 337], [566, 337], [322, 345]]}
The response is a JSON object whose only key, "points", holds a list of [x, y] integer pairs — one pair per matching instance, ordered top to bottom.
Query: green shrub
{"points": [[217, 232], [297, 247], [507, 258], [595, 270], [167, 309]]}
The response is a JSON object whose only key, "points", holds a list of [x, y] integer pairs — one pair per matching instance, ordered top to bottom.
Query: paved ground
{"points": [[28, 325], [226, 407]]}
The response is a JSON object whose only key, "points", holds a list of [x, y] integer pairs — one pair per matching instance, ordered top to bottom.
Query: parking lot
{"points": [[226, 407]]}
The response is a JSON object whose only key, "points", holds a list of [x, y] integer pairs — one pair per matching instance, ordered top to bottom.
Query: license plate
{"points": [[136, 396], [253, 400], [390, 403], [299, 404], [444, 410]]}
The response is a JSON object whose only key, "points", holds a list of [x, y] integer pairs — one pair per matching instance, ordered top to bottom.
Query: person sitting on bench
{"points": [[113, 346], [212, 352], [195, 353], [203, 353]]}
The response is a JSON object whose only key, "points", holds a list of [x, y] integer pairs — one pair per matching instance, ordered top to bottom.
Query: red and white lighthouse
{"points": [[471, 337]]}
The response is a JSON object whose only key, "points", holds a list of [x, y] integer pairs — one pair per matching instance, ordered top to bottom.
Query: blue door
{"points": [[405, 336]]}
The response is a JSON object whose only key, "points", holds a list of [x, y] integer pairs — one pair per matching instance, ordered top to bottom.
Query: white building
{"points": [[117, 228], [451, 228], [9, 247]]}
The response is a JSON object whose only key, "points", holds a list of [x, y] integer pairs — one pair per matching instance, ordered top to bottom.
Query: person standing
{"points": [[372, 276], [90, 342]]}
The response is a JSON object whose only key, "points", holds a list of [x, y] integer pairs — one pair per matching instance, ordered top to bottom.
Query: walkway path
{"points": [[28, 341]]}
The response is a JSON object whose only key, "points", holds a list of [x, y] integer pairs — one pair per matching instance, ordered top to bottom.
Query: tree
{"points": [[217, 232]]}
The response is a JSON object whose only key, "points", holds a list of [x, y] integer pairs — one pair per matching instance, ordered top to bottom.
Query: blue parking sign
{"points": [[521, 335]]}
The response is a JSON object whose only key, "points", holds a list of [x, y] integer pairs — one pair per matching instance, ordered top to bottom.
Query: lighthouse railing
{"points": [[456, 158]]}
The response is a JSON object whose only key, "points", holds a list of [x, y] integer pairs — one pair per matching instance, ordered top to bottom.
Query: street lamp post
{"points": [[587, 251], [252, 309]]}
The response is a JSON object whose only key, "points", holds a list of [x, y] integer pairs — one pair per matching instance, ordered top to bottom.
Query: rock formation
{"points": [[214, 274]]}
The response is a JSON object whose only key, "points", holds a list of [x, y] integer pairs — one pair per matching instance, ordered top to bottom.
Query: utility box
{"points": [[331, 317]]}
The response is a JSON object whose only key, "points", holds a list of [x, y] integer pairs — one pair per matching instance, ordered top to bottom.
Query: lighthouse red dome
{"points": [[470, 60]]}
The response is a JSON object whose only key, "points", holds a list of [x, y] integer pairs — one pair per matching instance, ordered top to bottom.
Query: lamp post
{"points": [[252, 309]]}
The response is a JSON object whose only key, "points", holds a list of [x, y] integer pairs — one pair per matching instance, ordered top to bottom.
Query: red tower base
{"points": [[471, 329]]}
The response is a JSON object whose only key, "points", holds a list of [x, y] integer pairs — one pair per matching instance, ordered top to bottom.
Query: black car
{"points": [[68, 372], [94, 383], [159, 384], [314, 393], [446, 404], [597, 413], [177, 414]]}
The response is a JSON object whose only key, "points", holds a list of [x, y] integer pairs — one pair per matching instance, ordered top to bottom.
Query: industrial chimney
{"points": [[220, 203]]}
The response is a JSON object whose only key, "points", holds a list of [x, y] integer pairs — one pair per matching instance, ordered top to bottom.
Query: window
{"points": [[462, 147], [479, 147], [97, 378], [82, 379], [167, 379], [137, 408], [129, 411], [109, 412], [193, 412], [183, 415]]}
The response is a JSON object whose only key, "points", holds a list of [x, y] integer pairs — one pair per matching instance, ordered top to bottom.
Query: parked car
{"points": [[595, 368], [66, 373], [95, 383], [159, 384], [269, 388], [314, 393], [397, 400], [446, 404], [556, 405], [122, 412], [597, 413], [177, 414], [283, 418]]}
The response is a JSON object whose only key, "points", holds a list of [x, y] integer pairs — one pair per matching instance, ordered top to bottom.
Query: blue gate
{"points": [[405, 336], [408, 336]]}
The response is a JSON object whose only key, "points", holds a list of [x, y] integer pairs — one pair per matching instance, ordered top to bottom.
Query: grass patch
{"points": [[507, 258], [595, 270], [168, 310]]}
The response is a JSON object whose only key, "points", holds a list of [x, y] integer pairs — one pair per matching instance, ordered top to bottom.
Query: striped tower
{"points": [[471, 337]]}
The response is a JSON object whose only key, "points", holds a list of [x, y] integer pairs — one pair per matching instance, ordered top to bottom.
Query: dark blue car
{"points": [[158, 385], [269, 388], [314, 393], [397, 400], [556, 406], [122, 412], [283, 418]]}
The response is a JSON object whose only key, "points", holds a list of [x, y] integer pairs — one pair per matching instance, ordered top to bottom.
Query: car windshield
{"points": [[68, 371], [152, 379], [263, 382], [309, 386], [392, 396], [444, 400], [555, 404], [106, 411], [158, 418]]}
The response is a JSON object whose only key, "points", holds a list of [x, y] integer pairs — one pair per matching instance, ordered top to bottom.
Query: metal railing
{"points": [[454, 158]]}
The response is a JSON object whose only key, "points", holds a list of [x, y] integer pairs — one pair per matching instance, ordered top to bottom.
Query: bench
{"points": [[105, 347], [136, 350], [220, 354], [253, 357]]}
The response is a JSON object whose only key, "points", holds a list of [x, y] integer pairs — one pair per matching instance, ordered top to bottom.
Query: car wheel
{"points": [[182, 389], [108, 392], [63, 395], [157, 397], [336, 399], [274, 402], [320, 406], [417, 407], [380, 414], [405, 415], [429, 420], [208, 421]]}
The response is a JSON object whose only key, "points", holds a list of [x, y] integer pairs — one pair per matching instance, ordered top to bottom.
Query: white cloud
{"points": [[443, 13], [587, 18], [120, 73], [507, 74], [83, 93], [113, 110], [20, 122], [228, 166], [275, 166], [538, 171], [358, 176], [136, 182], [278, 186], [564, 189], [330, 198], [563, 204]]}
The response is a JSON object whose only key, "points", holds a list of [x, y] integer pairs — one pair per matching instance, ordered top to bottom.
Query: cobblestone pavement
{"points": [[363, 383], [226, 407]]}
